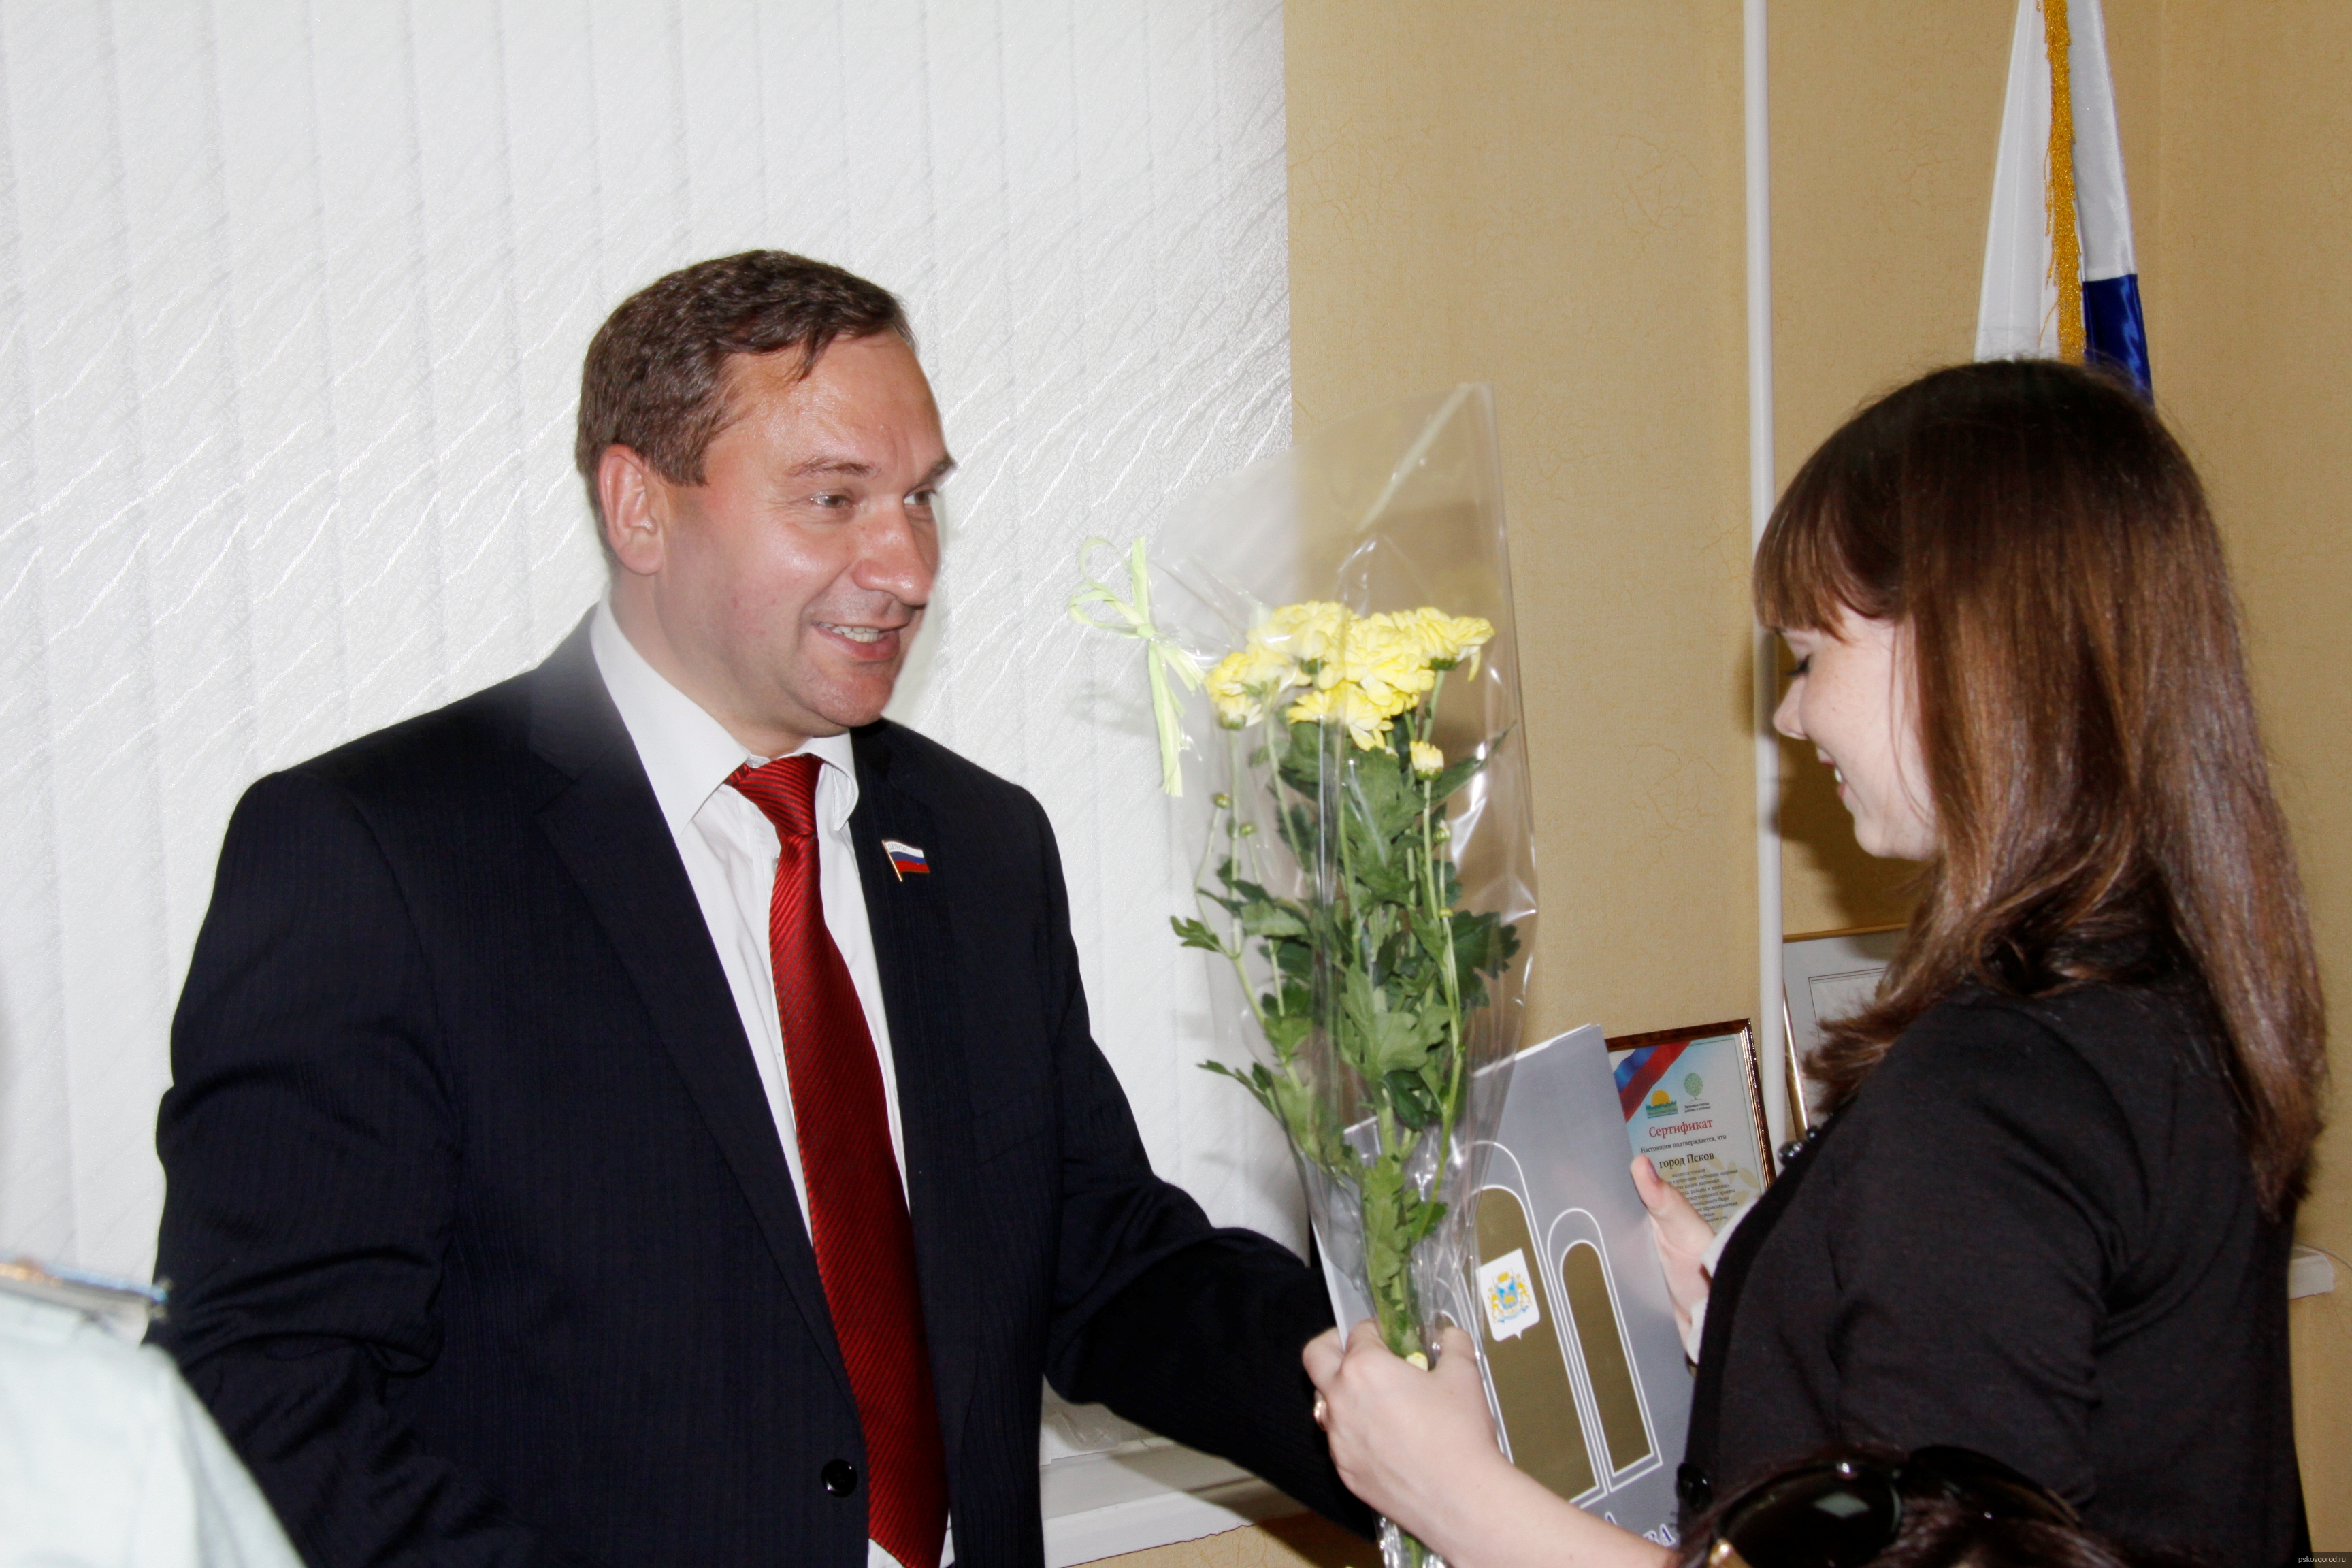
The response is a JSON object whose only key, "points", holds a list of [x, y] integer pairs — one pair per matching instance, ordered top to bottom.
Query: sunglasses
{"points": [[1842, 1513]]}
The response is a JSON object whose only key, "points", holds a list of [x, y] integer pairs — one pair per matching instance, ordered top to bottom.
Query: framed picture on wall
{"points": [[1826, 975], [1691, 1100]]}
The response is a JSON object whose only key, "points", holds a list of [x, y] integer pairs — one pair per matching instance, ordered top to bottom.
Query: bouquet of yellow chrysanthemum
{"points": [[1365, 871]]}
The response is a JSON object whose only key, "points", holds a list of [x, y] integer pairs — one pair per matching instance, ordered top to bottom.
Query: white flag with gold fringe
{"points": [[2060, 278]]}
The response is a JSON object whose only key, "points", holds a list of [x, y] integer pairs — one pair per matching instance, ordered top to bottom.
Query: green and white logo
{"points": [[1692, 1085]]}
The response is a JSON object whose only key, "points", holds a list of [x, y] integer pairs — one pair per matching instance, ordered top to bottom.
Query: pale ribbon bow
{"points": [[1132, 617]]}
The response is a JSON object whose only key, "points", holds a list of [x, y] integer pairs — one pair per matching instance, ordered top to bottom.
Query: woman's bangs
{"points": [[1805, 578]]}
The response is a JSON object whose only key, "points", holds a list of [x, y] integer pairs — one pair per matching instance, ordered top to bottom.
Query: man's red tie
{"points": [[857, 1208]]}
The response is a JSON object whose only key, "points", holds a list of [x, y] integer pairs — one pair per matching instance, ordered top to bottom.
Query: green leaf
{"points": [[1301, 763], [1443, 786], [1382, 796], [1296, 825], [1383, 878], [1250, 890], [1270, 919], [1431, 931], [1193, 933], [1482, 941], [1474, 991], [1284, 1031], [1376, 1041], [1256, 1082], [1411, 1099], [1296, 1107], [1303, 1116], [1389, 1222]]}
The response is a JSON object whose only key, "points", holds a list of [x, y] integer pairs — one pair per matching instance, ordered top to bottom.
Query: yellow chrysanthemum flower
{"points": [[1306, 633], [1441, 639], [1385, 664], [1360, 671], [1244, 684], [1344, 705], [1428, 761]]}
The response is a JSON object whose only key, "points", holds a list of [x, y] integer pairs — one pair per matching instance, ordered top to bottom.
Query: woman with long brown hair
{"points": [[2048, 1212]]}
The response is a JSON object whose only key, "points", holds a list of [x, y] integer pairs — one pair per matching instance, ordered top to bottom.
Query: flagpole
{"points": [[1771, 1031]]}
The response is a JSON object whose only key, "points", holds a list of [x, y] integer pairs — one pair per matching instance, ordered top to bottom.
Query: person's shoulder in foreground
{"points": [[108, 1461]]}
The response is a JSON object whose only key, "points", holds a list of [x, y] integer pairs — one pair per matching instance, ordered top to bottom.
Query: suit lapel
{"points": [[609, 832], [914, 951]]}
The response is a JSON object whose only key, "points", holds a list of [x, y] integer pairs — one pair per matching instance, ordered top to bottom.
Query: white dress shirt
{"points": [[730, 849]]}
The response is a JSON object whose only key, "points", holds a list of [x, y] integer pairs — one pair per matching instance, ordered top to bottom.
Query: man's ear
{"points": [[637, 510]]}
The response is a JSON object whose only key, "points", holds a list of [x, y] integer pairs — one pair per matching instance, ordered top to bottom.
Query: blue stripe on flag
{"points": [[2114, 333]]}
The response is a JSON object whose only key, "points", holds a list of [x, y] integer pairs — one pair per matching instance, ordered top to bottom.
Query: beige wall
{"points": [[1883, 116], [1548, 196], [2250, 313]]}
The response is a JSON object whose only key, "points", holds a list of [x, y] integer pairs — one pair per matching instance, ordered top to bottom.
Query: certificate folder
{"points": [[1584, 1369]]}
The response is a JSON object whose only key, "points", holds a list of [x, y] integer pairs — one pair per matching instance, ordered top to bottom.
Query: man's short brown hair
{"points": [[654, 380]]}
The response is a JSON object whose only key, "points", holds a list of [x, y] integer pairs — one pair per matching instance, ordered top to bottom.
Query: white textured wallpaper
{"points": [[295, 296]]}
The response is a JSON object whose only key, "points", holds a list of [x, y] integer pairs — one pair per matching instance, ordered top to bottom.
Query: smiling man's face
{"points": [[782, 594]]}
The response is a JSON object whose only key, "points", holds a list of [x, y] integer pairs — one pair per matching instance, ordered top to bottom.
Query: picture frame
{"points": [[1826, 975], [1693, 1099]]}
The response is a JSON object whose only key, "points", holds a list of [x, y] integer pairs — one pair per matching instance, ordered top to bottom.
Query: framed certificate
{"points": [[1827, 975], [1691, 1100]]}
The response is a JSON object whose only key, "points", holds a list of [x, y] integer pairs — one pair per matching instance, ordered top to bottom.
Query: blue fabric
{"points": [[2114, 331]]}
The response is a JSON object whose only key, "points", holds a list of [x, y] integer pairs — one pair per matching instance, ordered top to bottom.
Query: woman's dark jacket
{"points": [[2032, 1232]]}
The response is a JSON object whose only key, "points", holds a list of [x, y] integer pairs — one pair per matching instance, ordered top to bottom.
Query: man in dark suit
{"points": [[644, 1113]]}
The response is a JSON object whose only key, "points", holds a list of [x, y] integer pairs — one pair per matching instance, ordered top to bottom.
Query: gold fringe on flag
{"points": [[2065, 242]]}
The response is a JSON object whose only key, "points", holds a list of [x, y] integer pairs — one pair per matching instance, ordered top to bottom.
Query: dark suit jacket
{"points": [[2033, 1232], [484, 1245]]}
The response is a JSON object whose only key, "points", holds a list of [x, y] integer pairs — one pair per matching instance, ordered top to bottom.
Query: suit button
{"points": [[840, 1477], [1693, 1487]]}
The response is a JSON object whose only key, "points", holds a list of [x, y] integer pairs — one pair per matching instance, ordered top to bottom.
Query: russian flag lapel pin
{"points": [[906, 860]]}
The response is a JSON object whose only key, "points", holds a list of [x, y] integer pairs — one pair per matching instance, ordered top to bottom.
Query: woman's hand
{"points": [[1683, 1239], [1411, 1443], [1419, 1447]]}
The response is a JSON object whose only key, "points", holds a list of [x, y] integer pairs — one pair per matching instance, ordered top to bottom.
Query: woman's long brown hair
{"points": [[2102, 805]]}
